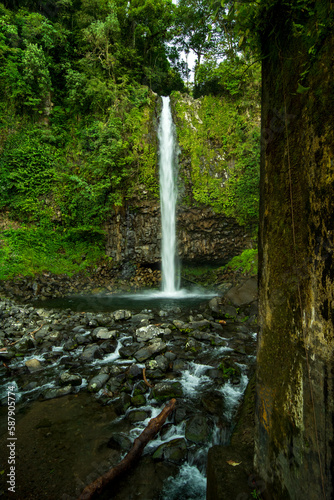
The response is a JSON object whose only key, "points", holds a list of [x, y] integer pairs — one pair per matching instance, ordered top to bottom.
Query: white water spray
{"points": [[168, 196]]}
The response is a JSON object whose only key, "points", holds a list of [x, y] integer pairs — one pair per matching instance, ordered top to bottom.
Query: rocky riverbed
{"points": [[107, 374]]}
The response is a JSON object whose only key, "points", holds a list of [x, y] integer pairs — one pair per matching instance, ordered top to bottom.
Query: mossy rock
{"points": [[167, 390]]}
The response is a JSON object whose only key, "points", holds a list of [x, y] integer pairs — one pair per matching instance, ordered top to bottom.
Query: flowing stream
{"points": [[168, 197]]}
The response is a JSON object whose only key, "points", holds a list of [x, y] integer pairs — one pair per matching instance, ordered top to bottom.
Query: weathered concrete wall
{"points": [[134, 234], [294, 447]]}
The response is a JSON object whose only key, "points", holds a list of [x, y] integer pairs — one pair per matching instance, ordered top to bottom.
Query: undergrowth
{"points": [[31, 250]]}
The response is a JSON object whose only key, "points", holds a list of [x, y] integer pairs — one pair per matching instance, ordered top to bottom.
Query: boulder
{"points": [[243, 294], [121, 314], [149, 332], [102, 333], [152, 348], [92, 352], [33, 365], [67, 378], [97, 382], [167, 390], [197, 429], [174, 451]]}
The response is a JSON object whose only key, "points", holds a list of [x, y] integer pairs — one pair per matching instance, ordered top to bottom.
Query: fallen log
{"points": [[153, 427]]}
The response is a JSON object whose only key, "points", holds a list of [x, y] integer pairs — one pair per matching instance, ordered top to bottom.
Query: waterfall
{"points": [[168, 196]]}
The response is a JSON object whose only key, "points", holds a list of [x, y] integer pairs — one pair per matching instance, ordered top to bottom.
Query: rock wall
{"points": [[134, 234], [204, 236], [294, 444]]}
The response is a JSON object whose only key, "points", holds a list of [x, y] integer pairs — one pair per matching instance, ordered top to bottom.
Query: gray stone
{"points": [[244, 294], [121, 314], [138, 318], [179, 324], [43, 332], [148, 332], [102, 333], [82, 339], [24, 344], [92, 352], [147, 352], [162, 362], [33, 365], [67, 378], [97, 382], [167, 390], [57, 393], [138, 400], [122, 403], [138, 416], [197, 429], [121, 441], [174, 451]]}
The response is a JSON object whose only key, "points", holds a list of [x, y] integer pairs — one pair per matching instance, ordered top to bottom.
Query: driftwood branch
{"points": [[145, 379], [153, 427]]}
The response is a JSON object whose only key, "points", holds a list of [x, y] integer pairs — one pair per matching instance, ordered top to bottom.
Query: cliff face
{"points": [[134, 234], [204, 234], [295, 398]]}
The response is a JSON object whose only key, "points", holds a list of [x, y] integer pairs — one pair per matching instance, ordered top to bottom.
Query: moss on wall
{"points": [[295, 398]]}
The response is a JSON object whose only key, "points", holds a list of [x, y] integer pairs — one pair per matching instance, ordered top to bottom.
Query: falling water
{"points": [[168, 195]]}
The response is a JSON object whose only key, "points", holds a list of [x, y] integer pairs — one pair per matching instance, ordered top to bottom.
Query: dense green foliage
{"points": [[78, 117], [223, 143], [31, 250]]}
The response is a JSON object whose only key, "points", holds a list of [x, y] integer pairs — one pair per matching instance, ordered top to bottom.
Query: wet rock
{"points": [[244, 294], [121, 314], [163, 314], [139, 318], [104, 319], [178, 324], [199, 325], [43, 332], [149, 332], [102, 333], [55, 337], [81, 339], [24, 344], [70, 344], [108, 347], [152, 348], [127, 351], [91, 352], [170, 356], [162, 362], [151, 364], [33, 365], [179, 365], [115, 370], [134, 371], [155, 374], [67, 378], [97, 382], [115, 384], [30, 386], [140, 388], [167, 390], [57, 393], [138, 400], [122, 403], [213, 403], [138, 416], [197, 429], [120, 442], [173, 451]]}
